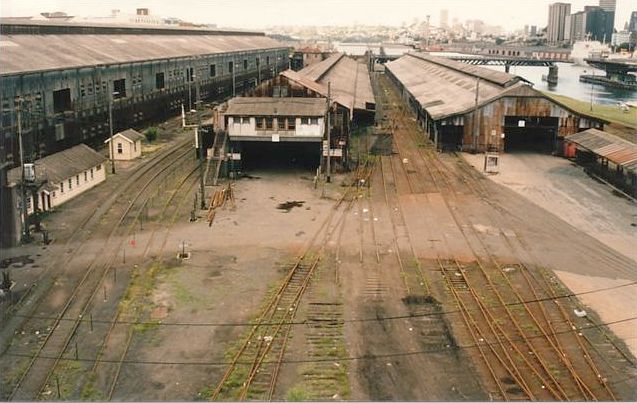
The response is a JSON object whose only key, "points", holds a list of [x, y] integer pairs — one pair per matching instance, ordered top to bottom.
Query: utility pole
{"points": [[189, 78], [234, 85], [592, 89], [111, 94], [476, 127], [329, 137], [201, 173], [23, 190]]}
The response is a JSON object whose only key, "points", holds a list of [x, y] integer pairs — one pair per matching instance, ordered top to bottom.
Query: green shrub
{"points": [[151, 134]]}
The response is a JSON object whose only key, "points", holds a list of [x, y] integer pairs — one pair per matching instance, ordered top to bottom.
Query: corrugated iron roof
{"points": [[29, 53], [493, 76], [349, 80], [444, 89], [263, 106], [613, 148], [62, 165]]}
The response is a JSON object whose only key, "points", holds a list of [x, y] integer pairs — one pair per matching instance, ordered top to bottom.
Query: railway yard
{"points": [[412, 277]]}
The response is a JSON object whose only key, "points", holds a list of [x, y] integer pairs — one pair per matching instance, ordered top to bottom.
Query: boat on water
{"points": [[588, 49]]}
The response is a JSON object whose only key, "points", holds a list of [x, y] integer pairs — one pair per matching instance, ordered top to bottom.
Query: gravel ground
{"points": [[565, 190]]}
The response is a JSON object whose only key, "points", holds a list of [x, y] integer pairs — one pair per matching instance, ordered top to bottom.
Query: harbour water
{"points": [[568, 82]]}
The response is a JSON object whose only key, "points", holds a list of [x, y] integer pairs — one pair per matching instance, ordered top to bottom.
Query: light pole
{"points": [[110, 125], [329, 137], [23, 190]]}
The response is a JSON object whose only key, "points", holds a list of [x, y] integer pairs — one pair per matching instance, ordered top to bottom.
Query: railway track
{"points": [[81, 294], [522, 351], [107, 366], [254, 369]]}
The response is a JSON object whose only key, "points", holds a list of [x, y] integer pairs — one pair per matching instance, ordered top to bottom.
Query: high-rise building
{"points": [[609, 7], [557, 17], [444, 18], [594, 23], [599, 23], [632, 25]]}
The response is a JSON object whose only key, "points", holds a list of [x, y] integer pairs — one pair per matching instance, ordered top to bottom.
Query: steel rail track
{"points": [[93, 218], [161, 253], [79, 286], [268, 314], [587, 393]]}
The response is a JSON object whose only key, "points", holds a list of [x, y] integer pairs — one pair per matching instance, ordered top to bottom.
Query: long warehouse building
{"points": [[61, 78], [472, 108]]}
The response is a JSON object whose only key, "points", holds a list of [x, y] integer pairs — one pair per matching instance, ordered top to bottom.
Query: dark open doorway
{"points": [[524, 133]]}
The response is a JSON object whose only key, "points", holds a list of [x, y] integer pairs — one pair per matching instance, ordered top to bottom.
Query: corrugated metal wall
{"points": [[46, 131]]}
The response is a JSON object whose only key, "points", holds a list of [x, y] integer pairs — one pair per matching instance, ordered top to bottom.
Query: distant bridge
{"points": [[505, 61], [614, 66]]}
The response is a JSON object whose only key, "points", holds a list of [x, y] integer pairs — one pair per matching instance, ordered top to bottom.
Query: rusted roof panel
{"points": [[30, 53], [316, 70], [349, 81], [443, 90], [263, 106], [613, 148]]}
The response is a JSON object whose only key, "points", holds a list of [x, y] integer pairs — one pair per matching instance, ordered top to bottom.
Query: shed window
{"points": [[213, 70], [159, 81], [119, 88], [62, 100], [245, 120], [305, 121], [314, 121], [260, 123], [120, 148]]}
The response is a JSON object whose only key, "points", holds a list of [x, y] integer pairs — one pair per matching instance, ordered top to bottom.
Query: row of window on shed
{"points": [[282, 122]]}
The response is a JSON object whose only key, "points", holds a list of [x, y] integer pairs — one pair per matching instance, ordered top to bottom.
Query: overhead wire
{"points": [[305, 321]]}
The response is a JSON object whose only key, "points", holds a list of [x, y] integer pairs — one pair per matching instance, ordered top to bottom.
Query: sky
{"points": [[259, 14]]}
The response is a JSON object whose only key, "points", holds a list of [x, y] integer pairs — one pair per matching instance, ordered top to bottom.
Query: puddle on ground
{"points": [[289, 205], [16, 261]]}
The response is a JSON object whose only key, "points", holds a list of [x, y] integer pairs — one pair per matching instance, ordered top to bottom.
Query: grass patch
{"points": [[607, 112], [146, 326], [68, 372], [90, 392], [297, 393]]}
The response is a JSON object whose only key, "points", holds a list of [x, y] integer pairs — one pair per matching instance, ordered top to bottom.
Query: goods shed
{"points": [[61, 77], [470, 108], [609, 156]]}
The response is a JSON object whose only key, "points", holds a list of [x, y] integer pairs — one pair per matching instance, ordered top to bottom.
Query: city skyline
{"points": [[224, 13]]}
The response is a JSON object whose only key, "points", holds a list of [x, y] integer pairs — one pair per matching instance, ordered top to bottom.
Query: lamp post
{"points": [[110, 125], [329, 137], [25, 236]]}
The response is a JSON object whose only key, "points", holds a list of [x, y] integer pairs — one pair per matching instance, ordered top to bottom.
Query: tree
{"points": [[151, 134]]}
